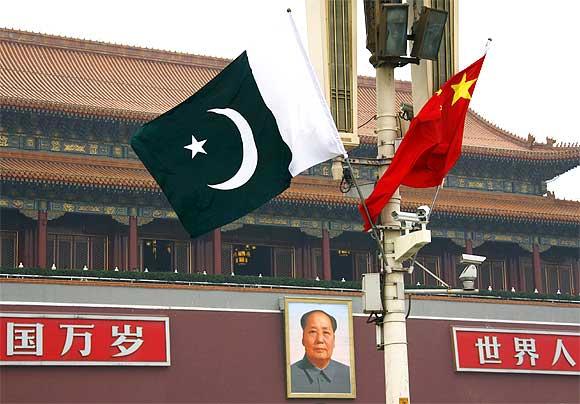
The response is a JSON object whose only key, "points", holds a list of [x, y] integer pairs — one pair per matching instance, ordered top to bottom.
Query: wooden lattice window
{"points": [[339, 15], [8, 249], [76, 251], [181, 256], [284, 262], [492, 273], [419, 276], [557, 277]]}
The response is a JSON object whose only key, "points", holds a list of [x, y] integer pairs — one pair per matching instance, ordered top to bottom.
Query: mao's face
{"points": [[318, 338]]}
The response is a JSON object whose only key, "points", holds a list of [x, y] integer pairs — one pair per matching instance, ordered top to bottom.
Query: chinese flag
{"points": [[432, 144]]}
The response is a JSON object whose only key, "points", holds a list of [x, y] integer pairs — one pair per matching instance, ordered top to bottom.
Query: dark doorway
{"points": [[157, 255], [252, 260], [341, 265]]}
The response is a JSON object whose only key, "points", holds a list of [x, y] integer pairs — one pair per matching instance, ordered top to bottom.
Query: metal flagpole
{"points": [[368, 215]]}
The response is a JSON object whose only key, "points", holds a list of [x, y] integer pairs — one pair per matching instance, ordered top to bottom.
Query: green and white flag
{"points": [[237, 142]]}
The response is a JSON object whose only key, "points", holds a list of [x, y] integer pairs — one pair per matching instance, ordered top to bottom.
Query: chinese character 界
{"points": [[70, 334], [124, 337], [24, 339], [525, 346], [561, 349], [488, 350]]}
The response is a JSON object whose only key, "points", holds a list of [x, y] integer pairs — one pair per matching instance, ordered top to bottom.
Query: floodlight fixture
{"points": [[392, 30], [428, 33]]}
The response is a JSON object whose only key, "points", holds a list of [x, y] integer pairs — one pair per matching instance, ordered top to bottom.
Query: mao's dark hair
{"points": [[305, 316]]}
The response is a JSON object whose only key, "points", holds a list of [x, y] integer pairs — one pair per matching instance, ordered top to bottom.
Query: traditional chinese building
{"points": [[74, 194]]}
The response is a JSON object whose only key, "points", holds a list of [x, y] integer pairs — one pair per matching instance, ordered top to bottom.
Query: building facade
{"points": [[74, 194]]}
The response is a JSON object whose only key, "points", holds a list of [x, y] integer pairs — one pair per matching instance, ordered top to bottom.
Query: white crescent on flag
{"points": [[249, 151]]}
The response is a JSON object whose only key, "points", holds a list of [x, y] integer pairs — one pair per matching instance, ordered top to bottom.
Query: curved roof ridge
{"points": [[111, 48], [369, 81], [502, 131], [522, 141]]}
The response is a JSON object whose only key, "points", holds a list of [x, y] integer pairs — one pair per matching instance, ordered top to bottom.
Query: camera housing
{"points": [[423, 213], [472, 259], [468, 277]]}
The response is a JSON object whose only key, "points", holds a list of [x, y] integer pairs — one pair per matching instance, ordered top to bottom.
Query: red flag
{"points": [[432, 144]]}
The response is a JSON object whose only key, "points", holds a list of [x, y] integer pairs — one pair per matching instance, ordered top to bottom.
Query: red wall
{"points": [[219, 357], [239, 357]]}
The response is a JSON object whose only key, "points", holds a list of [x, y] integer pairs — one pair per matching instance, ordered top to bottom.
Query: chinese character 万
{"points": [[70, 334], [125, 337], [24, 339], [525, 346], [561, 349], [488, 350]]}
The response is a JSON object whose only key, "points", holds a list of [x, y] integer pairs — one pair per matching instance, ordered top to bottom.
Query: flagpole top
{"points": [[288, 10], [487, 45]]}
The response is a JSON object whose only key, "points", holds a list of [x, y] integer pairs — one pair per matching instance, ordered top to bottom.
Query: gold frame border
{"points": [[348, 303]]}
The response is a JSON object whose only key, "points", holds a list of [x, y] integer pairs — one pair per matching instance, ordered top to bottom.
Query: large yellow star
{"points": [[461, 89]]}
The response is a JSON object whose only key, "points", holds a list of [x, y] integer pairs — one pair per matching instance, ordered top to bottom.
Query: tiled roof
{"points": [[94, 78], [480, 136], [55, 168]]}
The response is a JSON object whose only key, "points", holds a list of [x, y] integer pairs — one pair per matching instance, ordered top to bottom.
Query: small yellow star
{"points": [[462, 89], [438, 92]]}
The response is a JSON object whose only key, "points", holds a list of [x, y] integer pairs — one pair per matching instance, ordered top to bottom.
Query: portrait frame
{"points": [[343, 353]]}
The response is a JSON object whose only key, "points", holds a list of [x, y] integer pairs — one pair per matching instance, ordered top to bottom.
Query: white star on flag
{"points": [[195, 146]]}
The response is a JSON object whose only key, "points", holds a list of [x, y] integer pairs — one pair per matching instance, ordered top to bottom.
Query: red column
{"points": [[41, 239], [132, 243], [468, 246], [28, 251], [217, 251], [117, 256], [307, 261], [537, 264], [448, 268], [576, 271], [326, 272], [514, 278]]}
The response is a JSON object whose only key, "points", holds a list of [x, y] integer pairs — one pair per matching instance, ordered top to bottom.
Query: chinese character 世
{"points": [[70, 334], [124, 337], [24, 339], [525, 346], [561, 349], [488, 350]]}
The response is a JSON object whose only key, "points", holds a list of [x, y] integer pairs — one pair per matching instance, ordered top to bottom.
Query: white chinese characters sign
{"points": [[53, 339], [516, 351]]}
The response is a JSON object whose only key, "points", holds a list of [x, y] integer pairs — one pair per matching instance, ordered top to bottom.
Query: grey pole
{"points": [[394, 329]]}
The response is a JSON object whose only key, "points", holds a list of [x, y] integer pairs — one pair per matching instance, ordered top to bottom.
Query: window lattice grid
{"points": [[340, 64], [8, 249], [64, 252], [81, 252], [98, 253], [181, 259], [227, 262], [284, 262], [492, 273], [419, 276], [557, 277]]}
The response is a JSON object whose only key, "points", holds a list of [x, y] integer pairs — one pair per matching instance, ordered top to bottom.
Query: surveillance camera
{"points": [[423, 213], [405, 217], [472, 259], [468, 277]]}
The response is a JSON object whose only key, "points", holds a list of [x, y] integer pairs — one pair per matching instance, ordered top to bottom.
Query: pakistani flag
{"points": [[237, 142]]}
